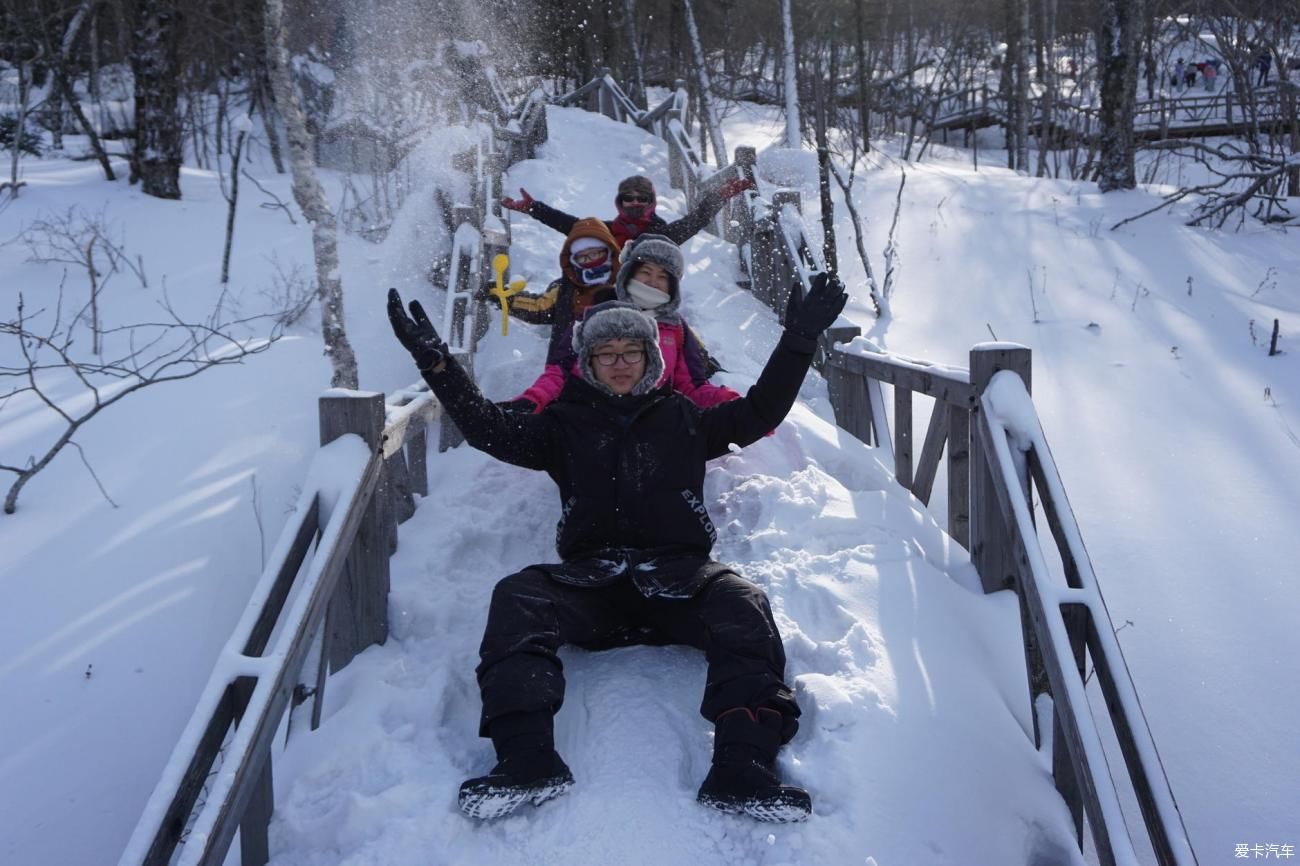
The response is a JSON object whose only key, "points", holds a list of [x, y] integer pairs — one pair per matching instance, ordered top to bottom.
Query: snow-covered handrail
{"points": [[1219, 113], [996, 456], [331, 559], [1072, 625]]}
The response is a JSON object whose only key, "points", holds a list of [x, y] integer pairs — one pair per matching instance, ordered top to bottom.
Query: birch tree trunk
{"points": [[634, 53], [1117, 62], [1022, 87], [864, 93], [707, 110], [820, 112], [792, 136], [156, 160], [310, 196]]}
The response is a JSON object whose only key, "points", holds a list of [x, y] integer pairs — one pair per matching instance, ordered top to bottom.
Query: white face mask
{"points": [[646, 297]]}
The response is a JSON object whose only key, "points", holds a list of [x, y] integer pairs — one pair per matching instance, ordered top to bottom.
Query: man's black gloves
{"points": [[819, 309], [416, 333], [518, 406]]}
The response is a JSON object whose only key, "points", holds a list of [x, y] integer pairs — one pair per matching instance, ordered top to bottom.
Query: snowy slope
{"points": [[1175, 433], [1179, 463], [913, 740]]}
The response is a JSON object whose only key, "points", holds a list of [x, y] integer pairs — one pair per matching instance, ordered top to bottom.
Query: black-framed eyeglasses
{"points": [[637, 199], [631, 357]]}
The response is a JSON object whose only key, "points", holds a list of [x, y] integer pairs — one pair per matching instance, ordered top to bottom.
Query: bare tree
{"points": [[1240, 178], [232, 196], [310, 196], [84, 242], [150, 353]]}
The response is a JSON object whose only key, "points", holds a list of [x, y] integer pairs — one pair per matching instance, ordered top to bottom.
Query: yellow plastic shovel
{"points": [[503, 293]]}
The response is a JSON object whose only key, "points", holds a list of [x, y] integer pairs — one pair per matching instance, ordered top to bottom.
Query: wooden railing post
{"points": [[739, 220], [784, 270], [990, 546], [358, 612]]}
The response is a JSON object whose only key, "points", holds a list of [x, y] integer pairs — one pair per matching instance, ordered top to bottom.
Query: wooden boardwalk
{"points": [[1213, 114]]}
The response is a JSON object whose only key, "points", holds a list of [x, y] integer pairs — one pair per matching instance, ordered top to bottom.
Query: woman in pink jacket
{"points": [[650, 277]]}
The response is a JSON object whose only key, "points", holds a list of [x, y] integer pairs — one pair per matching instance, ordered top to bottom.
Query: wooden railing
{"points": [[1212, 112], [997, 458], [990, 483], [331, 558], [321, 600]]}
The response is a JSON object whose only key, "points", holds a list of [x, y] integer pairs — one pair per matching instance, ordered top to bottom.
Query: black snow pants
{"points": [[531, 616]]}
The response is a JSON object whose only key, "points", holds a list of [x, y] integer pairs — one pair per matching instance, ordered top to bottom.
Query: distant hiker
{"points": [[1262, 63], [1072, 68], [1193, 70], [1180, 73], [1209, 73], [635, 201], [649, 278], [634, 539]]}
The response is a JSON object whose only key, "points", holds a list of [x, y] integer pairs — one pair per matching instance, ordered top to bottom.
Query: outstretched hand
{"points": [[734, 187], [521, 204], [819, 309], [416, 333]]}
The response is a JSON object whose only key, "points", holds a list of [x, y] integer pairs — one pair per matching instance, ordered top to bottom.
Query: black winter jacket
{"points": [[678, 231], [630, 470]]}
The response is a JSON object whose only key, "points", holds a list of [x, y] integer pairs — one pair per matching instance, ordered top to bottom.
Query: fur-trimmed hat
{"points": [[638, 183], [657, 250], [615, 320]]}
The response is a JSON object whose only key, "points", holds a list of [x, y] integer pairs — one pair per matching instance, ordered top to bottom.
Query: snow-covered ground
{"points": [[1180, 465]]}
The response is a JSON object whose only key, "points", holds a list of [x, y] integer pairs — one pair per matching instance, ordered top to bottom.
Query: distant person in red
{"points": [[636, 202]]}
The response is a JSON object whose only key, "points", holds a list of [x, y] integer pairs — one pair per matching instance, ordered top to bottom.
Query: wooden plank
{"points": [[826, 343], [948, 386], [849, 402], [880, 421], [936, 434], [903, 436], [417, 448], [959, 475], [399, 479], [1052, 510], [308, 525], [989, 545], [360, 607], [1076, 618], [322, 673], [1056, 674], [245, 776], [192, 782], [1142, 785], [254, 844]]}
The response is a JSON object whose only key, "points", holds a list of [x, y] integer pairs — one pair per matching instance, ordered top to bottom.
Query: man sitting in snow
{"points": [[635, 202], [634, 539]]}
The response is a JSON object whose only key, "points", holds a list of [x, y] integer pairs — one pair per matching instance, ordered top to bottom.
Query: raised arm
{"points": [[543, 213], [682, 230], [536, 309], [767, 403], [523, 440]]}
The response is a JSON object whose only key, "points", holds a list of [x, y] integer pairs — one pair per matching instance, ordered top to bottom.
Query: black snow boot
{"points": [[528, 768], [743, 778]]}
